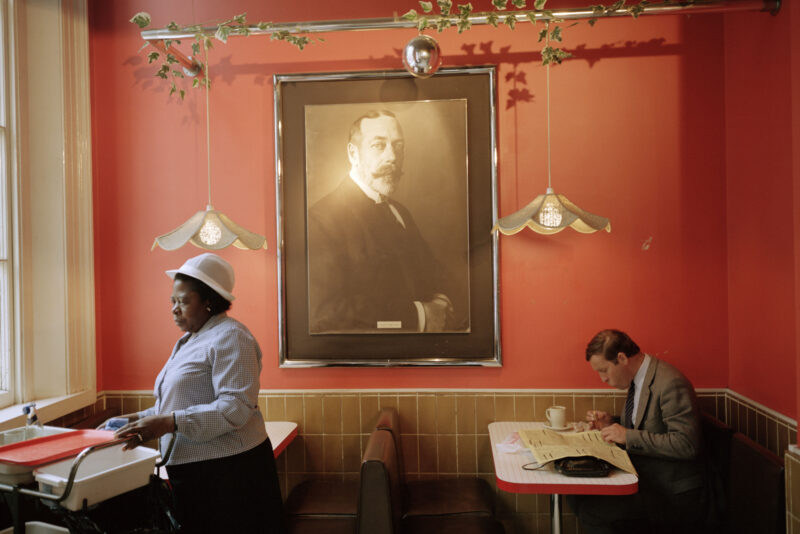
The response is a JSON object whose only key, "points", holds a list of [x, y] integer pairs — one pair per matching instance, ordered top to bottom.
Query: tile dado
{"points": [[443, 434]]}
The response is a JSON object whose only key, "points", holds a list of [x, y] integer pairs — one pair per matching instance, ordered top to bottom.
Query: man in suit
{"points": [[370, 270], [660, 428]]}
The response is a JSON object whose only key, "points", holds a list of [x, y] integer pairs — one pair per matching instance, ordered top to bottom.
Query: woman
{"points": [[222, 469]]}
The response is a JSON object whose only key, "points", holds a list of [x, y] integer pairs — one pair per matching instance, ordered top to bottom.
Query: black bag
{"points": [[583, 466]]}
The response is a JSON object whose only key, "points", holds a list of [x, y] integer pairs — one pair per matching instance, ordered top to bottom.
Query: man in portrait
{"points": [[370, 269]]}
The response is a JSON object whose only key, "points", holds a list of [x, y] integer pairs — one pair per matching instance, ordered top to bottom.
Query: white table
{"points": [[281, 434], [511, 477]]}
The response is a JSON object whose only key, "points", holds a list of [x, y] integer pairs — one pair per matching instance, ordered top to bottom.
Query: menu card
{"points": [[547, 445]]}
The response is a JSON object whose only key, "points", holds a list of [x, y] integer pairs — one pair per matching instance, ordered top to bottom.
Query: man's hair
{"points": [[355, 129], [216, 302], [610, 343]]}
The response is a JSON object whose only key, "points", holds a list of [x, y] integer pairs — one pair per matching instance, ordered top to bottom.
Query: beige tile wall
{"points": [[443, 433]]}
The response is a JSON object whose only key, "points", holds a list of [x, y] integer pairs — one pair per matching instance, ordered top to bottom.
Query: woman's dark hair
{"points": [[216, 302], [610, 343]]}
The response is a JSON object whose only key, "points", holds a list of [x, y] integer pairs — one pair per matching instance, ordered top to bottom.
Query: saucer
{"points": [[558, 428]]}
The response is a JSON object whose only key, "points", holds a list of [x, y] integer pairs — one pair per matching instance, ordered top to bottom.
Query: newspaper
{"points": [[548, 445]]}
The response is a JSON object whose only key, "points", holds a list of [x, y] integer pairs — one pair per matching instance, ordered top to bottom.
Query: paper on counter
{"points": [[512, 444], [547, 445]]}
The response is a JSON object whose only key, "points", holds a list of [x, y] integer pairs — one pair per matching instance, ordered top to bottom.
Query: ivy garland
{"points": [[426, 20]]}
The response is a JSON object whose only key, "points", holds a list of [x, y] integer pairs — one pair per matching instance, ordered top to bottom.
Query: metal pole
{"points": [[478, 19]]}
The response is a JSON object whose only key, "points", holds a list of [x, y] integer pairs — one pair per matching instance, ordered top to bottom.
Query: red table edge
{"points": [[283, 444], [568, 489]]}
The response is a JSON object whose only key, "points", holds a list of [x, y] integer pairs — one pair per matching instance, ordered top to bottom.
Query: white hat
{"points": [[210, 269]]}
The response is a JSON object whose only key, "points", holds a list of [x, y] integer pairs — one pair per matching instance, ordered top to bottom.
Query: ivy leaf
{"points": [[500, 4], [519, 4], [539, 4], [445, 6], [615, 6], [427, 7], [598, 9], [464, 10], [636, 10], [411, 15], [531, 16], [141, 19], [240, 19], [492, 19], [510, 21], [592, 22], [443, 23], [422, 24], [265, 25], [463, 25], [173, 27], [222, 33], [542, 34], [555, 35], [167, 43], [196, 49], [553, 55], [152, 56], [171, 59], [162, 72], [177, 74], [195, 83], [172, 89], [182, 93]]}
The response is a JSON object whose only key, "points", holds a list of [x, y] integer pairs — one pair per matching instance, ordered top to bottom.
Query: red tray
{"points": [[48, 449]]}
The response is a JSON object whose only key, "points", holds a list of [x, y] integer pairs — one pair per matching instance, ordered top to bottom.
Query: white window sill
{"points": [[47, 409]]}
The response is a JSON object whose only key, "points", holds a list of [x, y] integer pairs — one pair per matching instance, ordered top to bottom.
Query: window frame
{"points": [[50, 178]]}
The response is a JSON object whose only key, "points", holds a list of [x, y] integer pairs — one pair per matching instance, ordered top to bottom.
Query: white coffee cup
{"points": [[557, 416]]}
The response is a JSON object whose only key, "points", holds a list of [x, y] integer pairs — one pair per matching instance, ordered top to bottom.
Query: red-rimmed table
{"points": [[281, 434], [511, 477]]}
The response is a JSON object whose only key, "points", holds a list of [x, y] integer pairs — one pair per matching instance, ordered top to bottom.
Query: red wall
{"points": [[638, 135], [762, 269]]}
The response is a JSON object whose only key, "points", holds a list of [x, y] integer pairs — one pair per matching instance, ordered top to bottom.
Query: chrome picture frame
{"points": [[454, 203]]}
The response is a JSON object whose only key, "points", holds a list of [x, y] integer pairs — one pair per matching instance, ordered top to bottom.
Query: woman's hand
{"points": [[131, 417], [145, 429]]}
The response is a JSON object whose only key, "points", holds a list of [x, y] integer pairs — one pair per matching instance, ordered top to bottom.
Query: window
{"points": [[46, 239], [6, 391]]}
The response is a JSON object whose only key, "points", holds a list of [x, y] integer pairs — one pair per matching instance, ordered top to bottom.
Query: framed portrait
{"points": [[386, 193]]}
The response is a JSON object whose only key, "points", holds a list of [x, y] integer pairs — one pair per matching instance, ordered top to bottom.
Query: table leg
{"points": [[555, 513]]}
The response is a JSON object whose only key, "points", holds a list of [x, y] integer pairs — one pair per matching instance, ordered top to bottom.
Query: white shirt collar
{"points": [[638, 381]]}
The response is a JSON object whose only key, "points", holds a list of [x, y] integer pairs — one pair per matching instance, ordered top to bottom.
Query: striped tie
{"points": [[629, 405]]}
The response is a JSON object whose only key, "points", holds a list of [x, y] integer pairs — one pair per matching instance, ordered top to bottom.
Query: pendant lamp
{"points": [[550, 213], [210, 229]]}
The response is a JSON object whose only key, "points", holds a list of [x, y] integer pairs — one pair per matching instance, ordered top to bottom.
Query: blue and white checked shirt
{"points": [[211, 382]]}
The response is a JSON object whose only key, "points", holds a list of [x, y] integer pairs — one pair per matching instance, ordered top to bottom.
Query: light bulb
{"points": [[550, 214], [210, 233]]}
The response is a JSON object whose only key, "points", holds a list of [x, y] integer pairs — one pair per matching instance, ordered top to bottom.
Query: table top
{"points": [[280, 433], [513, 478]]}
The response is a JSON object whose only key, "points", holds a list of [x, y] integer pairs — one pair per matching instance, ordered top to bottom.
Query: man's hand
{"points": [[437, 312], [598, 419], [615, 433]]}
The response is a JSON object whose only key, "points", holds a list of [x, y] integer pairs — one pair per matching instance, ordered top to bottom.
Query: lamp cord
{"points": [[547, 67], [208, 127]]}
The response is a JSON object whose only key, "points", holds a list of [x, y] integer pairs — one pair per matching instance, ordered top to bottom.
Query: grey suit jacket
{"points": [[666, 443]]}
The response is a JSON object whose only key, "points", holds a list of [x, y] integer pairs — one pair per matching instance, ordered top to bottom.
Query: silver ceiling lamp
{"points": [[550, 213], [210, 229]]}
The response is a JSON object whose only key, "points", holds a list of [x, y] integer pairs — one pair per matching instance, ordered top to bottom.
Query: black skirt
{"points": [[239, 493]]}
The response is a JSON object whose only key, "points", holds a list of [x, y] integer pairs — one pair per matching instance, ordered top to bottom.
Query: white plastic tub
{"points": [[104, 473], [20, 474], [37, 527]]}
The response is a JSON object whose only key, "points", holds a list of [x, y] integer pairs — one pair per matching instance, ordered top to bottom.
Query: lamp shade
{"points": [[549, 214], [210, 230]]}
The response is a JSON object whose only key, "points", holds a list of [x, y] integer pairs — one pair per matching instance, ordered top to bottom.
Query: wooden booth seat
{"points": [[745, 483], [443, 497], [380, 502]]}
